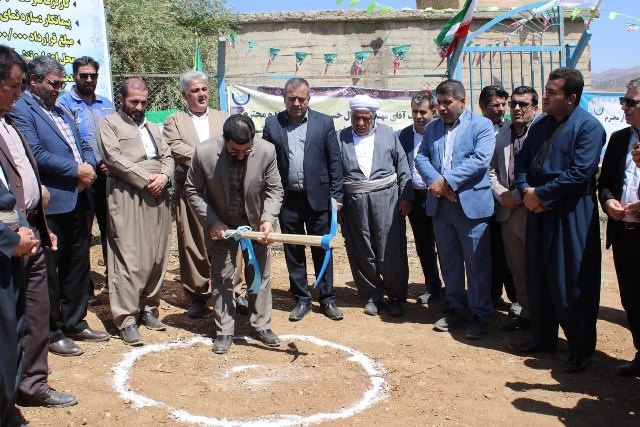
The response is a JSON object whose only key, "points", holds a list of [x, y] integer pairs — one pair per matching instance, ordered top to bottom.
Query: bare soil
{"points": [[433, 379]]}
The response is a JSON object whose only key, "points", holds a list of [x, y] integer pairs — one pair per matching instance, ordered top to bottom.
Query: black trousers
{"points": [[297, 217], [425, 241], [626, 258], [68, 271], [500, 273]]}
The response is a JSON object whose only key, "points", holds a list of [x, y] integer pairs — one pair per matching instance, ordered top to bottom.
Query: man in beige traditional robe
{"points": [[183, 131], [140, 166], [234, 181]]}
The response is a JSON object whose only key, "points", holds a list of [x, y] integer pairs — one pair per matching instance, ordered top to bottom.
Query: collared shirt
{"points": [[56, 114], [86, 115], [201, 123], [498, 126], [450, 132], [296, 138], [147, 141], [364, 146], [515, 147], [3, 178], [416, 178], [631, 181], [30, 187], [236, 210]]}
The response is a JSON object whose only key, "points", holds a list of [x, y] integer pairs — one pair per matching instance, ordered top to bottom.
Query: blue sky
{"points": [[612, 46]]}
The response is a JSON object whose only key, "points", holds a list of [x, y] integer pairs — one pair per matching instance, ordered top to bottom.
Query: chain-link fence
{"points": [[164, 90]]}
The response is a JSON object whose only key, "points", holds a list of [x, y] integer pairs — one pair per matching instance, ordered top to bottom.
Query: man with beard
{"points": [[87, 108], [140, 166], [555, 172], [377, 195]]}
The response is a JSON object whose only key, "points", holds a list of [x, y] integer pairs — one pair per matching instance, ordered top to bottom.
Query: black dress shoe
{"points": [[242, 306], [373, 307], [394, 307], [196, 309], [301, 310], [332, 311], [148, 319], [519, 324], [89, 335], [131, 335], [268, 338], [222, 344], [65, 347], [531, 347], [575, 364], [630, 369], [48, 399], [17, 421]]}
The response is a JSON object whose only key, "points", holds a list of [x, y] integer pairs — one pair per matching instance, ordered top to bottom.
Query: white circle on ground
{"points": [[376, 392]]}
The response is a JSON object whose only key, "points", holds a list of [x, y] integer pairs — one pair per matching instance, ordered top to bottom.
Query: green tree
{"points": [[158, 37]]}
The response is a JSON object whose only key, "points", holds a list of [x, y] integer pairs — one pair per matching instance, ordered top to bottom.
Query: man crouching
{"points": [[234, 181]]}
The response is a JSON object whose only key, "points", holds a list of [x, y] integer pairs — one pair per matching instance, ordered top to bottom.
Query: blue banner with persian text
{"points": [[62, 29]]}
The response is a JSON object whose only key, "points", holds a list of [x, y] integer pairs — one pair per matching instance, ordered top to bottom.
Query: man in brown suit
{"points": [[183, 131], [140, 166], [234, 181]]}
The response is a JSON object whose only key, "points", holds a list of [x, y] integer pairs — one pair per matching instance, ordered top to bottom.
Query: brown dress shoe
{"points": [[89, 335], [65, 347]]}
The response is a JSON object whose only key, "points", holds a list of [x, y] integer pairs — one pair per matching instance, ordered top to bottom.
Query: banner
{"points": [[63, 30], [260, 102], [606, 108]]}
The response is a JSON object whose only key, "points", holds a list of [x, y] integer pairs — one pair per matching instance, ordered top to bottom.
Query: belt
{"points": [[32, 216], [631, 225]]}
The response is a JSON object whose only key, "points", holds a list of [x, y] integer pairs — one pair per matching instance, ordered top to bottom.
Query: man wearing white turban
{"points": [[376, 178]]}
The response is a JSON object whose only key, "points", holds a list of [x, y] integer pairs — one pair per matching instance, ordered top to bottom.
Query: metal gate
{"points": [[519, 47]]}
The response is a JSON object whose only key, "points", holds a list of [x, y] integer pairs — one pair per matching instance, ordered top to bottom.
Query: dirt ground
{"points": [[360, 371]]}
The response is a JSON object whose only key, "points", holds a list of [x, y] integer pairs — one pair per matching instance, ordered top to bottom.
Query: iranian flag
{"points": [[456, 29]]}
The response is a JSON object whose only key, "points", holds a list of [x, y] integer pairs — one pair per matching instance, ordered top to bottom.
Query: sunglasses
{"points": [[85, 76], [56, 84], [629, 102], [521, 104]]}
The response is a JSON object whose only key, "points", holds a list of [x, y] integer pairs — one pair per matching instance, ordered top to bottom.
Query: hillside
{"points": [[613, 80]]}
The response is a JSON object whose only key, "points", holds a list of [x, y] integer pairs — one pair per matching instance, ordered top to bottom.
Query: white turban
{"points": [[359, 102]]}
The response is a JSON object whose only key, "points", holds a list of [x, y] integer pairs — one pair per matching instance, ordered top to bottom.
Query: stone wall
{"points": [[346, 31]]}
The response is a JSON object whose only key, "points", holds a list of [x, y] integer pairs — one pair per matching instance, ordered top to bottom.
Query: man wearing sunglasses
{"points": [[87, 108], [66, 165], [555, 173], [618, 192], [511, 216]]}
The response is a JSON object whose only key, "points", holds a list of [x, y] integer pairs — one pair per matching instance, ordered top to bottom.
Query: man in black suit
{"points": [[423, 107], [310, 167], [618, 193]]}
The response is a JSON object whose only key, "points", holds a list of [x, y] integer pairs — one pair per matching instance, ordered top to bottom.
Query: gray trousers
{"points": [[514, 231], [223, 254]]}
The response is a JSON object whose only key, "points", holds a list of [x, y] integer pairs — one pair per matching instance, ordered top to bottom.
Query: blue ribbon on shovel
{"points": [[326, 240], [245, 245]]}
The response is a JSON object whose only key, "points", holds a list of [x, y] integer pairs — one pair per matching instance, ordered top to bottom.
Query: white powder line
{"points": [[376, 392]]}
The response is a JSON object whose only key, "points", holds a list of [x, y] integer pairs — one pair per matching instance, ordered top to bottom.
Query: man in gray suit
{"points": [[184, 130], [234, 181], [511, 215]]}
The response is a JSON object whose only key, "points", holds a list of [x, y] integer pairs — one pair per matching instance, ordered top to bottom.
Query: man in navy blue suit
{"points": [[423, 107], [454, 161], [67, 166], [310, 167], [555, 172]]}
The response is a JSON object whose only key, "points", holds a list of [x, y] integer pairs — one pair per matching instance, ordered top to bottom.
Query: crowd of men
{"points": [[495, 202]]}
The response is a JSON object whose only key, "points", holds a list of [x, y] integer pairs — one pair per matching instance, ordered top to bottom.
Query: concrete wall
{"points": [[346, 31]]}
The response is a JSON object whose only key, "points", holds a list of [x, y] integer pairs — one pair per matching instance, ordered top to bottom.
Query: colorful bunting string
{"points": [[231, 41], [251, 46], [273, 52], [399, 53], [300, 56], [329, 58], [360, 58]]}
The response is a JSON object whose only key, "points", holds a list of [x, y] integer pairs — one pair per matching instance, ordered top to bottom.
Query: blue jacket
{"points": [[56, 164], [469, 174]]}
